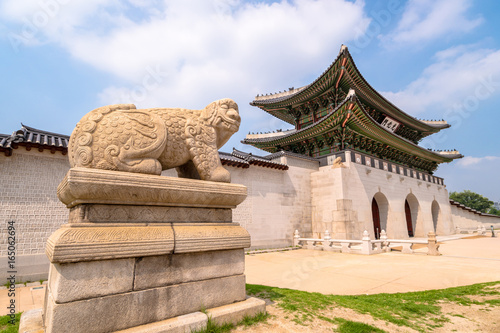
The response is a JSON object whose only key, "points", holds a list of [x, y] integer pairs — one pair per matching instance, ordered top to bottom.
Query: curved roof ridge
{"points": [[344, 50], [271, 96], [386, 100], [32, 129]]}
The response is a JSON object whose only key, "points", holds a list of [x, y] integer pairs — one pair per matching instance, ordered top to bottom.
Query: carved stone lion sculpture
{"points": [[123, 138]]}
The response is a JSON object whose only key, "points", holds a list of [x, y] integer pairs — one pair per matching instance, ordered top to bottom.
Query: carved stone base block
{"points": [[141, 249], [70, 282], [125, 310], [196, 321]]}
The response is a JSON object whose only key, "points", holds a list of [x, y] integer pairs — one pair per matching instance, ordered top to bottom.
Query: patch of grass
{"points": [[418, 310], [457, 315], [258, 318], [333, 321], [349, 326], [6, 327], [212, 327]]}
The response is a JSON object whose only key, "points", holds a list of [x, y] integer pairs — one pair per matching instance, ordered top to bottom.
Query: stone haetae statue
{"points": [[122, 138], [337, 163]]}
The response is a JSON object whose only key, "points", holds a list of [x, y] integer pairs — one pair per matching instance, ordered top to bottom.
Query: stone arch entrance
{"points": [[412, 208], [380, 209], [436, 212]]}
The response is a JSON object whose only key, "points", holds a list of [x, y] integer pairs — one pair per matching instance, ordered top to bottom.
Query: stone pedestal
{"points": [[143, 249]]}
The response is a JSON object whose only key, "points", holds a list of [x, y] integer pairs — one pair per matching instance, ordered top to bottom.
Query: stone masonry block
{"points": [[345, 204], [96, 213], [209, 237], [95, 242], [157, 271], [83, 280], [121, 311], [234, 313], [31, 321], [195, 321]]}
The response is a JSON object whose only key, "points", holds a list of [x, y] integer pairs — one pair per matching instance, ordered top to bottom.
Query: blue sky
{"points": [[435, 59]]}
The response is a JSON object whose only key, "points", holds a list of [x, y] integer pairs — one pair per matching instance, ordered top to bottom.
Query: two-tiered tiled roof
{"points": [[340, 110], [351, 116]]}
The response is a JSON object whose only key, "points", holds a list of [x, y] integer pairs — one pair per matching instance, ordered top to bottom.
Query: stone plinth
{"points": [[144, 249]]}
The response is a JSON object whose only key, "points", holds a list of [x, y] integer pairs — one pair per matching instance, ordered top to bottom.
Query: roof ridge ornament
{"points": [[342, 48], [350, 94]]}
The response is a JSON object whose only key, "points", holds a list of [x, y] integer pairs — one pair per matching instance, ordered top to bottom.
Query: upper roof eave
{"points": [[397, 113]]}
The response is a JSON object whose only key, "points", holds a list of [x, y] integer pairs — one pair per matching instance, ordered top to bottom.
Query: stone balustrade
{"points": [[480, 230], [366, 245]]}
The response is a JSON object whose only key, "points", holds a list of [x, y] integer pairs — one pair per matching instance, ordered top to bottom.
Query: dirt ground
{"points": [[466, 319]]}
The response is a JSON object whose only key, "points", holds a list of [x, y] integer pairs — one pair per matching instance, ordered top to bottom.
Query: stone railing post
{"points": [[296, 237], [326, 241], [385, 243], [432, 244], [366, 246]]}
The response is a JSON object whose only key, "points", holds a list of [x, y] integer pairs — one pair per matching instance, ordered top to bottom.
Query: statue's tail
{"points": [[80, 142]]}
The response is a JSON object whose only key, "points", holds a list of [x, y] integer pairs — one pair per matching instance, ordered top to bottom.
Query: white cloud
{"points": [[425, 20], [253, 37], [205, 50], [459, 79], [470, 161], [477, 174]]}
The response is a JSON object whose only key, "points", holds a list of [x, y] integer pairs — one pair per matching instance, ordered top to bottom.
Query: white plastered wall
{"points": [[28, 197], [278, 202], [467, 220]]}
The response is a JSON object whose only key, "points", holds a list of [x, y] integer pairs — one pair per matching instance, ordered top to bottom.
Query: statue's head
{"points": [[224, 117]]}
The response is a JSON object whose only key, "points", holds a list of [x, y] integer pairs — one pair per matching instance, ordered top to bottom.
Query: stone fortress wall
{"points": [[306, 197], [342, 202]]}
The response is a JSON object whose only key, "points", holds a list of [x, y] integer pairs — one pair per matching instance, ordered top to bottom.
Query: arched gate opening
{"points": [[380, 209], [412, 209], [435, 214]]}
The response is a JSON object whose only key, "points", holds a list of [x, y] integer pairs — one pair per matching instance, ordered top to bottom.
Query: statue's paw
{"points": [[149, 166], [220, 175]]}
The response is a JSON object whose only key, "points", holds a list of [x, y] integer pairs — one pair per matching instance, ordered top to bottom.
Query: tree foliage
{"points": [[472, 200], [494, 211]]}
